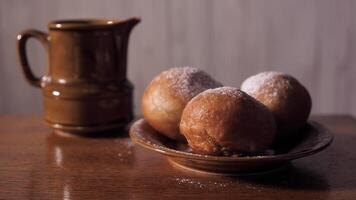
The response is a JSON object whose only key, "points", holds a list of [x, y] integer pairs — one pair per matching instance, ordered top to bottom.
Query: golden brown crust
{"points": [[166, 96], [287, 98], [162, 109], [224, 121]]}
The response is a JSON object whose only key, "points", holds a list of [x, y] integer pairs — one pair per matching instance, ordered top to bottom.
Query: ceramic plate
{"points": [[314, 139]]}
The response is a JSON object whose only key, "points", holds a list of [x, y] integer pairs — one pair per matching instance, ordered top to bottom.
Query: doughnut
{"points": [[168, 93], [284, 96], [225, 121]]}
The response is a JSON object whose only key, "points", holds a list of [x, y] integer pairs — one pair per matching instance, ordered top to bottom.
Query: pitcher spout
{"points": [[127, 24]]}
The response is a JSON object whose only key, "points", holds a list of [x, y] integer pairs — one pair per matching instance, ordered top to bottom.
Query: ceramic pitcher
{"points": [[85, 88]]}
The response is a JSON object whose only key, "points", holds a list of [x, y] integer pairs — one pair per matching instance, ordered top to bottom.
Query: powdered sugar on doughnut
{"points": [[189, 81], [258, 82], [254, 83], [227, 91], [231, 92]]}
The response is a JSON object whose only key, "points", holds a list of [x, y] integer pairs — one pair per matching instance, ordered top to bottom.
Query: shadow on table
{"points": [[332, 168]]}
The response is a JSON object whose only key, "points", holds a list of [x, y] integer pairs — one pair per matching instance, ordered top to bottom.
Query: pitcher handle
{"points": [[21, 48]]}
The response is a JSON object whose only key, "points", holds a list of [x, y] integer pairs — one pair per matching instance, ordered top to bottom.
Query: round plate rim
{"points": [[278, 157]]}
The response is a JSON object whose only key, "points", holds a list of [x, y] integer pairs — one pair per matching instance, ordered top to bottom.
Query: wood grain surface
{"points": [[313, 40], [37, 164]]}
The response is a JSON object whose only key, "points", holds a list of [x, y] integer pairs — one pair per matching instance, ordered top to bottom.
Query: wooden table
{"points": [[37, 164]]}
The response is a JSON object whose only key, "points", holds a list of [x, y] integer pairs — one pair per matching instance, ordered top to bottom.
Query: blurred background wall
{"points": [[314, 40]]}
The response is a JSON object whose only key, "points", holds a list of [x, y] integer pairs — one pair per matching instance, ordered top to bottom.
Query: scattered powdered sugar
{"points": [[189, 81], [124, 150], [204, 184], [220, 184]]}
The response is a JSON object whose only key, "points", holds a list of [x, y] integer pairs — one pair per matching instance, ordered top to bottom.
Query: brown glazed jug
{"points": [[85, 87]]}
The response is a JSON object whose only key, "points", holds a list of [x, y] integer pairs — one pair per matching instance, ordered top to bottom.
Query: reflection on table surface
{"points": [[38, 164]]}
